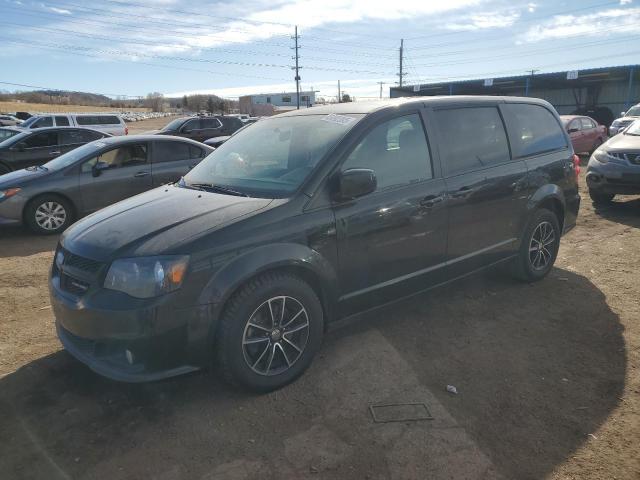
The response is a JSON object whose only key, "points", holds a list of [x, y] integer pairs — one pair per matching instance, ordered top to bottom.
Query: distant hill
{"points": [[62, 97]]}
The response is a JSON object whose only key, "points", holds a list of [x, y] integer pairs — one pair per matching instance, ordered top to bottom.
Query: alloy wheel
{"points": [[50, 216], [541, 246], [275, 336]]}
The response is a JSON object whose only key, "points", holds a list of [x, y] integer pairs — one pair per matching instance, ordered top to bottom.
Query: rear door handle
{"points": [[57, 152], [141, 174], [462, 192], [430, 201]]}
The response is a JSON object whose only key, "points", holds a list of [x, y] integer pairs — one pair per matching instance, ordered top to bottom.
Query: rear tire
{"points": [[600, 198], [48, 214], [539, 247], [269, 332]]}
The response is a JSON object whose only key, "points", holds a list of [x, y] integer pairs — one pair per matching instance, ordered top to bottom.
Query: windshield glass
{"points": [[634, 111], [176, 124], [634, 129], [4, 134], [74, 155], [273, 157]]}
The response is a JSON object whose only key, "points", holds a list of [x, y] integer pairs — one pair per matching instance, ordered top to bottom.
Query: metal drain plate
{"points": [[400, 412]]}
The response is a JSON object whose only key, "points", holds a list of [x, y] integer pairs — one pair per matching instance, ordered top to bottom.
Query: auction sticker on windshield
{"points": [[339, 119]]}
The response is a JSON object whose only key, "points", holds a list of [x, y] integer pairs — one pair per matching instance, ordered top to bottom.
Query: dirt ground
{"points": [[547, 378]]}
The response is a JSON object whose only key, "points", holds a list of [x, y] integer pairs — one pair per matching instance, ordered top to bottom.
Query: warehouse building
{"points": [[601, 93], [270, 103]]}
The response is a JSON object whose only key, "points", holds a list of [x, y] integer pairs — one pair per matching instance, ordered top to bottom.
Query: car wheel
{"points": [[600, 198], [48, 214], [539, 247], [269, 332]]}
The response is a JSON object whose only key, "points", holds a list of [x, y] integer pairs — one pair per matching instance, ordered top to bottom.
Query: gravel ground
{"points": [[547, 380]]}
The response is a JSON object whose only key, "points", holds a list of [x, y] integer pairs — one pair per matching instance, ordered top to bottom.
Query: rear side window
{"points": [[88, 120], [109, 120], [62, 121], [211, 123], [192, 124], [587, 124], [533, 130], [69, 137], [472, 138], [41, 140], [396, 150], [171, 151]]}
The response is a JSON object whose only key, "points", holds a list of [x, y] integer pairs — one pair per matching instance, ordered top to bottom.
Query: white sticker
{"points": [[339, 119]]}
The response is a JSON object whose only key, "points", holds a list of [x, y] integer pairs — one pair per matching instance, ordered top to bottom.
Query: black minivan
{"points": [[305, 218]]}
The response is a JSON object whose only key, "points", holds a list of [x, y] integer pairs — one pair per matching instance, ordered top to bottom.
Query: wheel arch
{"points": [[549, 196], [74, 208]]}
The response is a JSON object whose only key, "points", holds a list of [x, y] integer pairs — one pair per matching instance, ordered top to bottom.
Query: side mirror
{"points": [[623, 114], [573, 130], [98, 168], [356, 182]]}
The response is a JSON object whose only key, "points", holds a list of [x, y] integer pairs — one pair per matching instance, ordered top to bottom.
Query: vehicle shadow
{"points": [[622, 210], [20, 242], [537, 367]]}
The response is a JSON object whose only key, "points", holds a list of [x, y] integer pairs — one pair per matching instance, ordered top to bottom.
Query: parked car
{"points": [[626, 119], [9, 121], [108, 123], [201, 128], [8, 132], [585, 133], [215, 142], [38, 146], [614, 168], [49, 198], [305, 218]]}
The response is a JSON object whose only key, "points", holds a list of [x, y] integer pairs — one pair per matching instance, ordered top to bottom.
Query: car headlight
{"points": [[601, 156], [10, 192], [146, 277]]}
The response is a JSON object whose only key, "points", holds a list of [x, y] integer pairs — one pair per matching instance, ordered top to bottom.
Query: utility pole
{"points": [[296, 68], [401, 74], [381, 84], [339, 93]]}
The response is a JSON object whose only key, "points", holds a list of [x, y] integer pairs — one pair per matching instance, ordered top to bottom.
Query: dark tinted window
{"points": [[88, 120], [109, 120], [62, 121], [43, 122], [211, 123], [192, 124], [533, 130], [68, 137], [472, 138], [39, 140], [396, 150], [172, 151], [195, 152], [125, 156]]}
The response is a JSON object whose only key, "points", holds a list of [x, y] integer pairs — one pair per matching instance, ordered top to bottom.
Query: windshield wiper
{"points": [[217, 188]]}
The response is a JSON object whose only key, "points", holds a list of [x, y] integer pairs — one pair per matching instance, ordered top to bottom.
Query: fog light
{"points": [[129, 356]]}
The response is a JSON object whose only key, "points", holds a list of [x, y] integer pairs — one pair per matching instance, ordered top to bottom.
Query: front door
{"points": [[36, 149], [128, 173], [486, 190], [392, 241]]}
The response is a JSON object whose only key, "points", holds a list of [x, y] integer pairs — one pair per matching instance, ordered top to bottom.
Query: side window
{"points": [[88, 120], [109, 120], [62, 121], [43, 122], [211, 123], [587, 124], [192, 125], [574, 125], [533, 129], [70, 137], [472, 138], [41, 140], [396, 150], [170, 151], [195, 152], [126, 156]]}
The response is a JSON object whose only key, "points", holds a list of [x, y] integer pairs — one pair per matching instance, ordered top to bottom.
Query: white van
{"points": [[108, 123]]}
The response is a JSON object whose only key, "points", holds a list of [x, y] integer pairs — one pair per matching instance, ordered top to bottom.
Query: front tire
{"points": [[599, 198], [48, 214], [539, 247], [269, 332]]}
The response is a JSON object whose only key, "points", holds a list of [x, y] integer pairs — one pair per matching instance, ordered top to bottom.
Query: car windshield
{"points": [[634, 111], [28, 122], [177, 123], [634, 129], [4, 134], [273, 157], [69, 158]]}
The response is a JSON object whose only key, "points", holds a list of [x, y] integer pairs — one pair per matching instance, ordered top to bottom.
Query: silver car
{"points": [[627, 118], [614, 168]]}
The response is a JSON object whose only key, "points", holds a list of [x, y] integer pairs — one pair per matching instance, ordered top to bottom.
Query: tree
{"points": [[346, 98], [155, 101], [185, 102], [211, 105]]}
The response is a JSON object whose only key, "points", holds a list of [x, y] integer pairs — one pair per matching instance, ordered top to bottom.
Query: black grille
{"points": [[81, 263], [73, 285]]}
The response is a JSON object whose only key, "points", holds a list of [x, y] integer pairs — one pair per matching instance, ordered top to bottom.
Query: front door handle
{"points": [[57, 152], [141, 174], [462, 192], [430, 201]]}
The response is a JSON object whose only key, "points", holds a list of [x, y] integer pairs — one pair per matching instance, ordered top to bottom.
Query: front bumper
{"points": [[613, 178], [11, 210], [128, 339]]}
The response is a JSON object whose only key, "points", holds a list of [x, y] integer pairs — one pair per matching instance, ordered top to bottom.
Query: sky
{"points": [[131, 48]]}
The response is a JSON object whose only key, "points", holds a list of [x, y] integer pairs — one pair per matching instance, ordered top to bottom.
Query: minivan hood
{"points": [[620, 142], [20, 177], [154, 222]]}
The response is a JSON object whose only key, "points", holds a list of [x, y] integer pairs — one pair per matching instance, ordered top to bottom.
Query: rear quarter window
{"points": [[88, 120], [533, 130]]}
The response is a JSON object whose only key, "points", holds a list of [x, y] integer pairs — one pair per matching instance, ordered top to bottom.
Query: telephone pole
{"points": [[296, 68], [401, 74], [381, 84], [339, 93]]}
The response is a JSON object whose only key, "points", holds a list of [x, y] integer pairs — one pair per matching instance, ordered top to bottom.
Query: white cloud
{"points": [[625, 2], [531, 7], [61, 11], [483, 21], [599, 24]]}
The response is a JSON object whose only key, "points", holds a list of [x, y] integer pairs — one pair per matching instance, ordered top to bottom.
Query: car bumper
{"points": [[613, 178], [11, 210], [571, 212], [131, 341]]}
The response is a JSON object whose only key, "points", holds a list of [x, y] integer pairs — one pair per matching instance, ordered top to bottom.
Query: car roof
{"points": [[371, 106], [46, 129], [145, 137]]}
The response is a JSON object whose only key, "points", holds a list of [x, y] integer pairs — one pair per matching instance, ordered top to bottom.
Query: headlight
{"points": [[601, 156], [10, 192], [146, 277]]}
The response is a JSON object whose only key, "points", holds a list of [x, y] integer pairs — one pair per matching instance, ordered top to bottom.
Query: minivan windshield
{"points": [[633, 112], [273, 157], [69, 158]]}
